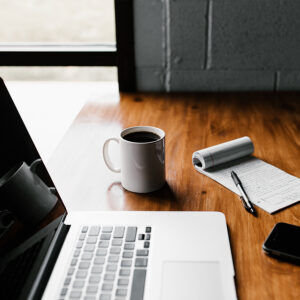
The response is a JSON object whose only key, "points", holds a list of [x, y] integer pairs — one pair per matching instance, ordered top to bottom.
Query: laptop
{"points": [[108, 255]]}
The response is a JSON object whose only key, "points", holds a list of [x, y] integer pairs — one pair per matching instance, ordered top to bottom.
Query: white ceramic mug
{"points": [[142, 162]]}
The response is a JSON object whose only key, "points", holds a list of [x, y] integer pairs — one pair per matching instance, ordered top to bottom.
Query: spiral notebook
{"points": [[268, 187]]}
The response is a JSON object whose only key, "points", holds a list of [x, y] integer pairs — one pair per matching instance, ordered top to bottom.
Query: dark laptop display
{"points": [[31, 210]]}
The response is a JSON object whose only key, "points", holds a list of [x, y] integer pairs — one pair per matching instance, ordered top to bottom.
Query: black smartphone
{"points": [[284, 242]]}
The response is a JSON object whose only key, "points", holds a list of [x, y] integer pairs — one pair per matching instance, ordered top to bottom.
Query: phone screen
{"points": [[284, 238]]}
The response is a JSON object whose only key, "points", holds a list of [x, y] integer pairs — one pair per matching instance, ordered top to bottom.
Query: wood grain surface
{"points": [[191, 122]]}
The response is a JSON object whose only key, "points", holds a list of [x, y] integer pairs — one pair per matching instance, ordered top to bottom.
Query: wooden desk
{"points": [[191, 122]]}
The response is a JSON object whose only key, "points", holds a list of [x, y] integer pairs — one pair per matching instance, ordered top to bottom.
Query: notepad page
{"points": [[268, 187]]}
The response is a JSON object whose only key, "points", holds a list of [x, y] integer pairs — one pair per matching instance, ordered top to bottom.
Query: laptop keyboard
{"points": [[108, 263]]}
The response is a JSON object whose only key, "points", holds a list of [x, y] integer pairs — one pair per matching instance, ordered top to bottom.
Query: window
{"points": [[65, 21], [69, 33]]}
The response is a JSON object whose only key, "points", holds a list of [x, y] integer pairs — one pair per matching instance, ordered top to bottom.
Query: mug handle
{"points": [[106, 156], [35, 164], [33, 168]]}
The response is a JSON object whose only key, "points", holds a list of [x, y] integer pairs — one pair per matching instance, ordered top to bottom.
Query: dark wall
{"points": [[217, 45]]}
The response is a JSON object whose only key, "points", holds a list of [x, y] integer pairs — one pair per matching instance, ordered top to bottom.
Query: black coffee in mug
{"points": [[141, 137]]}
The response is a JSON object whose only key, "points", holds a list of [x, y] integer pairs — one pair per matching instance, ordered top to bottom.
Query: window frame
{"points": [[120, 55]]}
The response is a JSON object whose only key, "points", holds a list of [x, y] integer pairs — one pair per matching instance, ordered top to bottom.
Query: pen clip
{"points": [[244, 202], [250, 208]]}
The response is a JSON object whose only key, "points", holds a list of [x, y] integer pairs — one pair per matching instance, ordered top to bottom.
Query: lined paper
{"points": [[268, 187]]}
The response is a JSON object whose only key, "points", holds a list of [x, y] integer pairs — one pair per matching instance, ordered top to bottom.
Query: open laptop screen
{"points": [[28, 199]]}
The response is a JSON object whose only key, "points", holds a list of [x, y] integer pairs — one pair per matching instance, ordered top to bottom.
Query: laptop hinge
{"points": [[49, 261]]}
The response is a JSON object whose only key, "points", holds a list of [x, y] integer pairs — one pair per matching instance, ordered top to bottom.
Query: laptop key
{"points": [[84, 229], [107, 229], [148, 229], [94, 231], [119, 232], [131, 234], [105, 236], [141, 236], [82, 237], [148, 237], [91, 240], [117, 242], [103, 244], [146, 244], [79, 245], [129, 246], [89, 248], [115, 250], [101, 252], [142, 252], [76, 253], [127, 254], [86, 256], [113, 258], [99, 260], [74, 262], [141, 262], [126, 263], [84, 265], [111, 268], [97, 270], [71, 271], [124, 272], [81, 274], [109, 277], [94, 279], [67, 281], [123, 281], [78, 284], [138, 284], [107, 287], [92, 289], [64, 292], [121, 292], [75, 294], [105, 297]]}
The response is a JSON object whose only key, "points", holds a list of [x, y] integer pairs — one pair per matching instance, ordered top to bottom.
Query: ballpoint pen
{"points": [[245, 200]]}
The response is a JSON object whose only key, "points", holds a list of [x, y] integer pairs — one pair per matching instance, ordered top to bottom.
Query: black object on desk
{"points": [[245, 200], [282, 243]]}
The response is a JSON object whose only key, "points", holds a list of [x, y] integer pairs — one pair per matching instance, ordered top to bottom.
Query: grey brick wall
{"points": [[217, 45]]}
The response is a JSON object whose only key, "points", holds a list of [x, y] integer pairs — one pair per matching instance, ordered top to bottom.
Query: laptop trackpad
{"points": [[191, 280]]}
